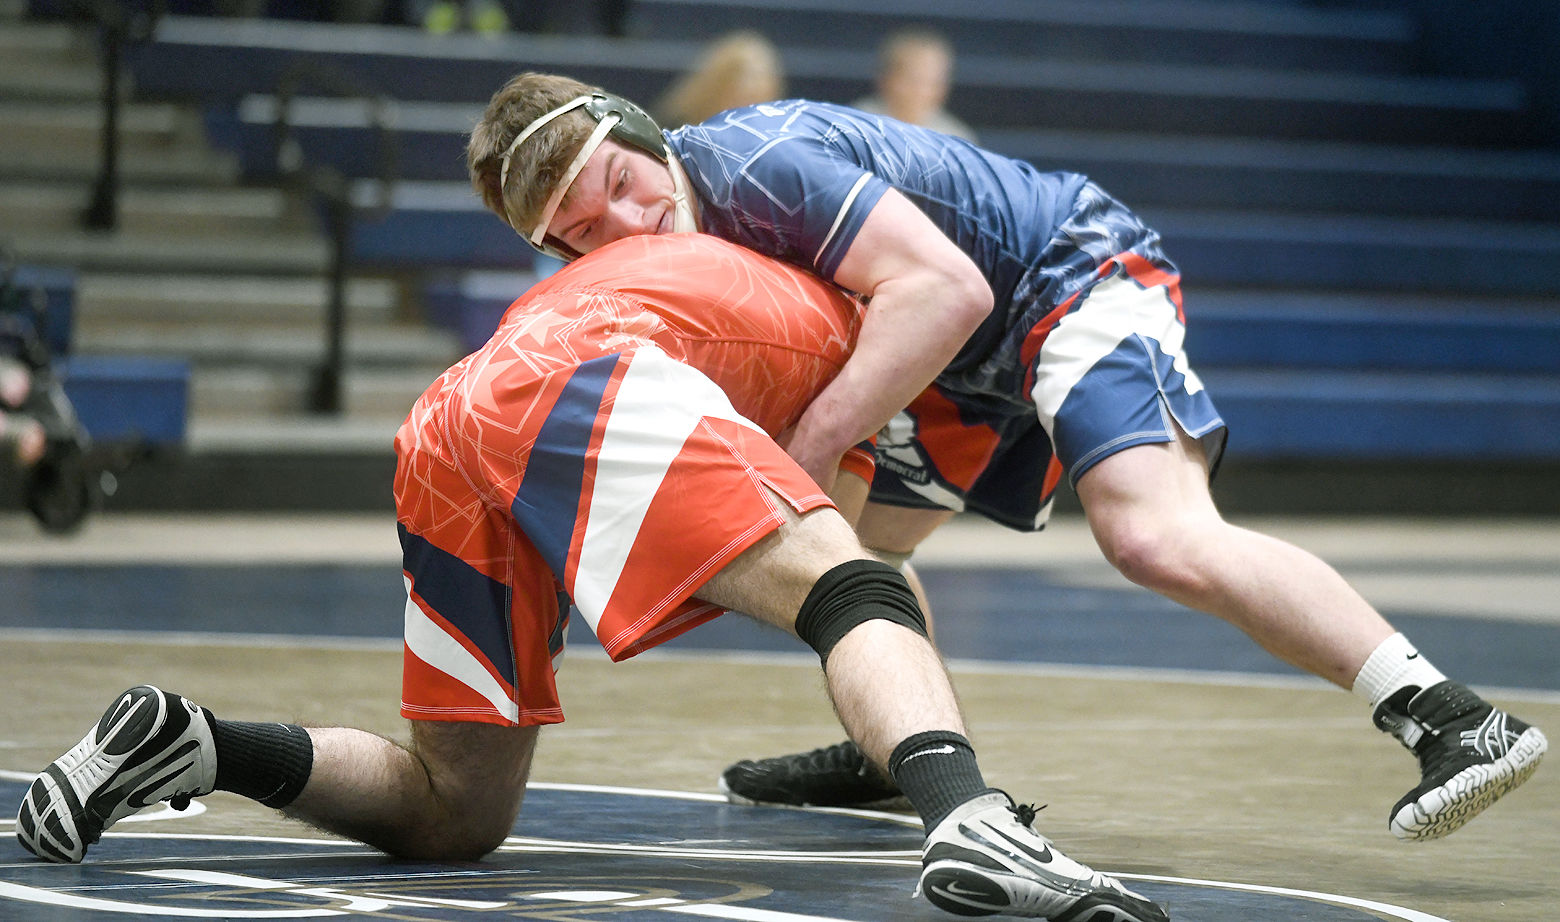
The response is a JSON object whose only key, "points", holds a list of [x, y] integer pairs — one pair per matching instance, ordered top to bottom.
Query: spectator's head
{"points": [[739, 69], [915, 70]]}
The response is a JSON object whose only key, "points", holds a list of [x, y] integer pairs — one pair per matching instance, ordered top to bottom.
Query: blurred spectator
{"points": [[484, 17], [738, 69], [915, 71], [22, 437]]}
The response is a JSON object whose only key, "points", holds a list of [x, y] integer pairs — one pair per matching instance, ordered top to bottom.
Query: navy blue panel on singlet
{"points": [[796, 179]]}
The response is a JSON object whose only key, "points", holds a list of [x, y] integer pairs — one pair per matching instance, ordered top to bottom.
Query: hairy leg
{"points": [[1150, 509], [898, 529], [879, 706], [452, 795]]}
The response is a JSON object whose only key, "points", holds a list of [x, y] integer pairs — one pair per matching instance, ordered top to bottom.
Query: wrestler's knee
{"points": [[1167, 556], [852, 594], [476, 780], [461, 836]]}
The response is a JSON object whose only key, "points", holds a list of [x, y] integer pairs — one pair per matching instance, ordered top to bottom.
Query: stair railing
{"points": [[120, 23], [333, 191]]}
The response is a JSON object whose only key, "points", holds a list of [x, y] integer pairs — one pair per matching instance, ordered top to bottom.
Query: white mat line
{"points": [[795, 660]]}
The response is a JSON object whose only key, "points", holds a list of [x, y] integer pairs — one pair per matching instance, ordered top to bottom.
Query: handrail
{"points": [[120, 23], [334, 191]]}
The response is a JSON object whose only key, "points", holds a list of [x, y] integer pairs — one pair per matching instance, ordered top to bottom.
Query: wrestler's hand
{"points": [[820, 462]]}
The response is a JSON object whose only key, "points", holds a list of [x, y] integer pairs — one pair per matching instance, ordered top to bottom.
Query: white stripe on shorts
{"points": [[1115, 309], [657, 406], [433, 645]]}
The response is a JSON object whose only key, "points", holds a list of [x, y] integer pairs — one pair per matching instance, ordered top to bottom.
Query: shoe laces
{"points": [[1456, 724], [1451, 746], [839, 757], [1026, 813]]}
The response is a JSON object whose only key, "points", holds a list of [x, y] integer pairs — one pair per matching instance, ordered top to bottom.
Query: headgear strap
{"points": [[637, 133], [535, 237]]}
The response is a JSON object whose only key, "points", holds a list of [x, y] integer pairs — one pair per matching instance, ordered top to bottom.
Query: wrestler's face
{"points": [[621, 191]]}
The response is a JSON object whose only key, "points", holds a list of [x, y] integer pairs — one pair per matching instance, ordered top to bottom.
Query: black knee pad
{"points": [[850, 594]]}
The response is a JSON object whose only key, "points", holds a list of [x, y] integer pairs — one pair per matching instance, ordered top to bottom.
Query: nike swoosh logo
{"points": [[943, 750], [1043, 856], [1037, 861], [958, 889]]}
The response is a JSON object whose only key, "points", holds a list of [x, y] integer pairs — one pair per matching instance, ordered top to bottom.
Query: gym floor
{"points": [[1168, 748]]}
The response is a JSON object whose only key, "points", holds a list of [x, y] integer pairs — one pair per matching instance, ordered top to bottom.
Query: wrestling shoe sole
{"points": [[107, 777], [1447, 807], [965, 890]]}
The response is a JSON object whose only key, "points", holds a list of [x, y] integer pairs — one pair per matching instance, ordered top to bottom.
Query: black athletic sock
{"points": [[268, 762], [937, 771]]}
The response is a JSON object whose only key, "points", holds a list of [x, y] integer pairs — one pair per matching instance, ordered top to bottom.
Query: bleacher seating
{"points": [[1286, 37], [219, 61], [1304, 176], [1368, 248], [57, 287], [115, 397], [129, 398]]}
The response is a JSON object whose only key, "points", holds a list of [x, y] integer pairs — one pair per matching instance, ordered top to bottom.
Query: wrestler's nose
{"points": [[626, 219]]}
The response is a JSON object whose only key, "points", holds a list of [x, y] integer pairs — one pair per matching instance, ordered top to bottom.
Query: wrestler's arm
{"points": [[927, 297]]}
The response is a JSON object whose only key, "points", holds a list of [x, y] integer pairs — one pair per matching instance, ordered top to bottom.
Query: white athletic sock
{"points": [[1394, 665]]}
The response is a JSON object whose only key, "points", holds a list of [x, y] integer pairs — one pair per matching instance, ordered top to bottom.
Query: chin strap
{"points": [[509, 152], [684, 221], [539, 233]]}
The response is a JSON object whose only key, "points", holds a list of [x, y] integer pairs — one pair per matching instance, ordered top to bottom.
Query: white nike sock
{"points": [[1394, 665]]}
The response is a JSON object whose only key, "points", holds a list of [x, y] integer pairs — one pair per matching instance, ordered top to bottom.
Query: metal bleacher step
{"points": [[1182, 31], [23, 39], [220, 61], [48, 62], [49, 80], [1216, 100], [51, 104], [63, 125], [430, 137], [183, 165], [1171, 170], [1293, 174], [55, 206], [443, 222], [278, 252], [1364, 252], [223, 285], [251, 302], [1382, 332], [220, 343], [254, 344], [253, 395], [1293, 414], [296, 433]]}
